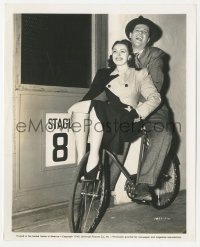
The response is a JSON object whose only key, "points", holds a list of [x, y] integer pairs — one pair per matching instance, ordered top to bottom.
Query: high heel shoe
{"points": [[92, 174]]}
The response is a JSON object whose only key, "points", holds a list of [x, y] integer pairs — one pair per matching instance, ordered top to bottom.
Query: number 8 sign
{"points": [[60, 144], [60, 147]]}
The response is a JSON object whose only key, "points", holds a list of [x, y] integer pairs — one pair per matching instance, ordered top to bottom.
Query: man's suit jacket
{"points": [[152, 58]]}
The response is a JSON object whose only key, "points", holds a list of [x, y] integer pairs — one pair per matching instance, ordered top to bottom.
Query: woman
{"points": [[111, 123]]}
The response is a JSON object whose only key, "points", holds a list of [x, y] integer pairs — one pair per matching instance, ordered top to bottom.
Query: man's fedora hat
{"points": [[155, 31]]}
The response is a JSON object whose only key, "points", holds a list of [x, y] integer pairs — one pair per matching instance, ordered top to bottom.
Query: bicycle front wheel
{"points": [[167, 187], [88, 199]]}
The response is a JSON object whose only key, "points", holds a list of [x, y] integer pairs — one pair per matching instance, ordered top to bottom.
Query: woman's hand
{"points": [[128, 108], [133, 112], [136, 120]]}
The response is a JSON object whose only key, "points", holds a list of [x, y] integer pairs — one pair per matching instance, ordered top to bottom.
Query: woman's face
{"points": [[120, 54]]}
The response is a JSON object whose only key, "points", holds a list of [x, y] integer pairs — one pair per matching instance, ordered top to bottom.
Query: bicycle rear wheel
{"points": [[167, 187], [87, 203]]}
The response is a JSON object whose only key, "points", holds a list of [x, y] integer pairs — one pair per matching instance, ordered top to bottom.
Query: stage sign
{"points": [[60, 143]]}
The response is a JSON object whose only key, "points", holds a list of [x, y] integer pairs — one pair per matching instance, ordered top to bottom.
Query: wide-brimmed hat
{"points": [[155, 31]]}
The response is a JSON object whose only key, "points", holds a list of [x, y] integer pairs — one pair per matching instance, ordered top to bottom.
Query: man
{"points": [[143, 33]]}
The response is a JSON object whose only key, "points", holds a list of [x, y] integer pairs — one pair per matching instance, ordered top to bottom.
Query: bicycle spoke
{"points": [[166, 191], [94, 195], [88, 201], [80, 210], [88, 211]]}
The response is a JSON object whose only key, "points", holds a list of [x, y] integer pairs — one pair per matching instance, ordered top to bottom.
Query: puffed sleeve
{"points": [[97, 87], [149, 92]]}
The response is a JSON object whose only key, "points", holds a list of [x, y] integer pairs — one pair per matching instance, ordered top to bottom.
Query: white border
{"points": [[191, 79]]}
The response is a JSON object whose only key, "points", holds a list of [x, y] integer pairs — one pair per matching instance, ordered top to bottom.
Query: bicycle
{"points": [[90, 198]]}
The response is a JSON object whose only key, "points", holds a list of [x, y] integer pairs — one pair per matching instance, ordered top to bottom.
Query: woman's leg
{"points": [[82, 123], [80, 126], [80, 133], [96, 135]]}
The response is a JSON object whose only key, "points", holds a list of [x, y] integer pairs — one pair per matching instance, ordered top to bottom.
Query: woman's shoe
{"points": [[92, 174]]}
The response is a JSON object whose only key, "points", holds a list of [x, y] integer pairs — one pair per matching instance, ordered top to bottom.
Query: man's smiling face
{"points": [[140, 36]]}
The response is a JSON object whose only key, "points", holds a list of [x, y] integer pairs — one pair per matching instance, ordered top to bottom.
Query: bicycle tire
{"points": [[167, 187], [88, 200]]}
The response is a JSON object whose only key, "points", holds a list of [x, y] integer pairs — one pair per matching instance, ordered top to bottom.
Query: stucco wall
{"points": [[173, 42]]}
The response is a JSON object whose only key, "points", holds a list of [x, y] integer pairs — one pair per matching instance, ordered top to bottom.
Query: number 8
{"points": [[58, 147]]}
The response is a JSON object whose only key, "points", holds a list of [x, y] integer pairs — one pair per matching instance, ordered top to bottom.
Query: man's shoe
{"points": [[142, 193]]}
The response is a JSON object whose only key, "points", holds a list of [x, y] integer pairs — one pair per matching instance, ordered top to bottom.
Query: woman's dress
{"points": [[124, 90]]}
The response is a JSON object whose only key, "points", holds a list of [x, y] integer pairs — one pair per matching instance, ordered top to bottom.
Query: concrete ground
{"points": [[124, 218]]}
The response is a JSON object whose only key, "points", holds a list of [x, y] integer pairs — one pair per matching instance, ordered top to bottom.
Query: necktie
{"points": [[137, 61]]}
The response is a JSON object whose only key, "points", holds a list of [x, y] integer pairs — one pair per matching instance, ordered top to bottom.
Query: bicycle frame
{"points": [[121, 165], [84, 217]]}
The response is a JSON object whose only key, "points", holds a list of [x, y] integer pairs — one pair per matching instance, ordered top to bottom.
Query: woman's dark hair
{"points": [[131, 60]]}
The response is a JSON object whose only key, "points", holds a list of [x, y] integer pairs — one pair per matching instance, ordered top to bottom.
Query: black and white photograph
{"points": [[100, 116]]}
